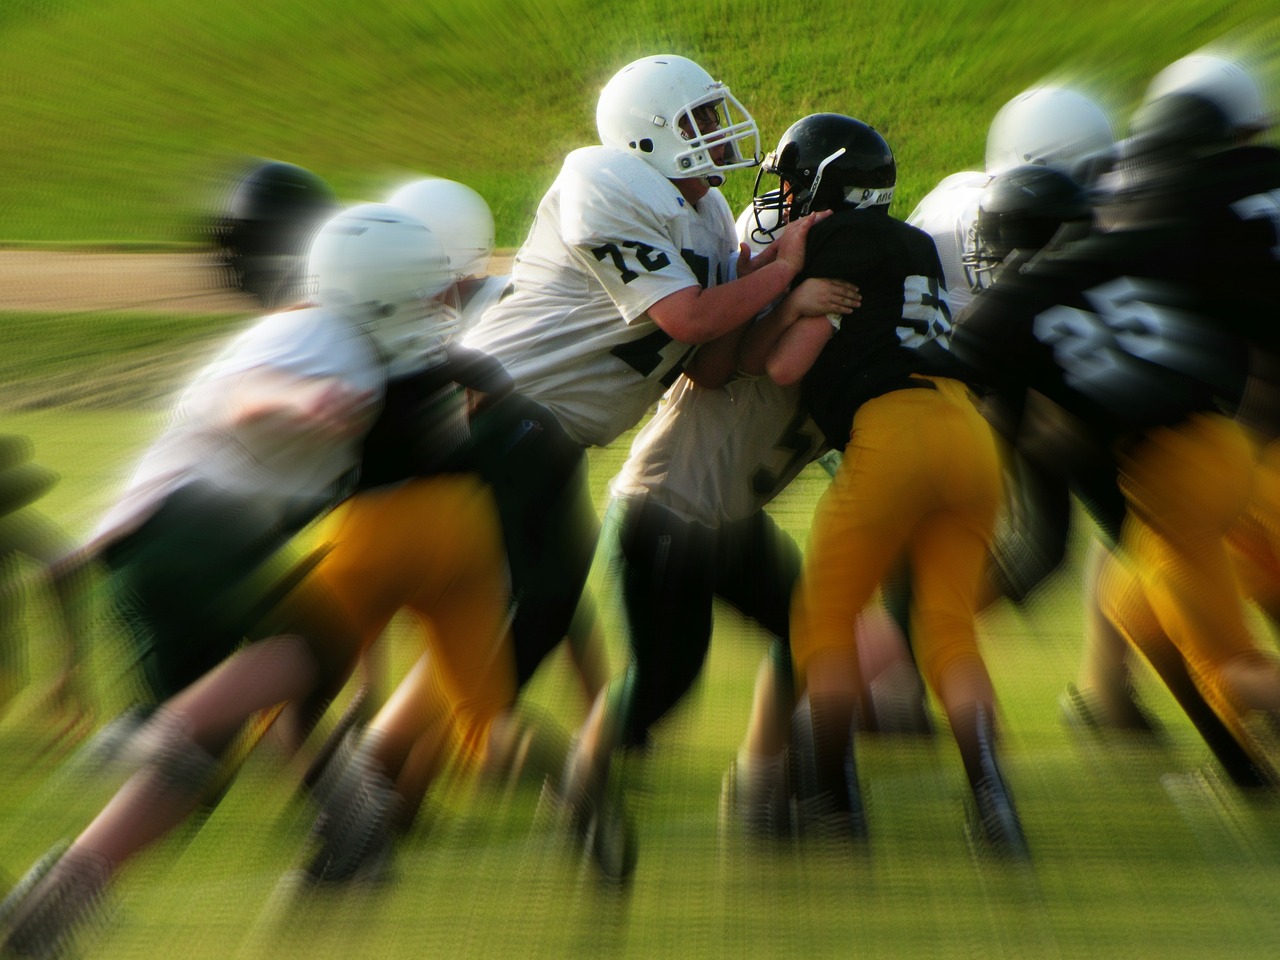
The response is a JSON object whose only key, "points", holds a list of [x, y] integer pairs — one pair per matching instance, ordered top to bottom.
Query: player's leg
{"points": [[1187, 486], [858, 535], [947, 551], [457, 587], [1122, 599], [1103, 696]]}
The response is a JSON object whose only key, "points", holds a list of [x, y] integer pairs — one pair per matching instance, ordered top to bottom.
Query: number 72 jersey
{"points": [[612, 237]]}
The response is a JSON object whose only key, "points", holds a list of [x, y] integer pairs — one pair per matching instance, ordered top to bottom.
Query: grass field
{"points": [[118, 114], [1139, 852]]}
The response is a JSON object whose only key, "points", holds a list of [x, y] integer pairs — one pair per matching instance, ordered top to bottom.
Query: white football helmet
{"points": [[1224, 82], [669, 111], [1051, 126], [457, 215], [385, 270]]}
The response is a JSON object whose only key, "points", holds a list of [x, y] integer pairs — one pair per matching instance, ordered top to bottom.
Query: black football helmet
{"points": [[1171, 132], [824, 161], [1022, 209], [262, 234]]}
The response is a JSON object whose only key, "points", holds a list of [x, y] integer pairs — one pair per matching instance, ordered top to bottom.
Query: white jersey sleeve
{"points": [[948, 214], [611, 238], [717, 455], [279, 469]]}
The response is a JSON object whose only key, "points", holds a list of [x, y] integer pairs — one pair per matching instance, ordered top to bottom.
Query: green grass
{"points": [[121, 114], [1134, 856]]}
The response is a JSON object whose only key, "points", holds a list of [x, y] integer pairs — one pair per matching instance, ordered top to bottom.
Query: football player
{"points": [[1226, 81], [1052, 126], [1059, 129], [462, 217], [264, 230], [631, 262], [1143, 332], [263, 440], [920, 481], [27, 536]]}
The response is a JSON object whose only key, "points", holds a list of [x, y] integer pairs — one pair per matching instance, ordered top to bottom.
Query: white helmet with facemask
{"points": [[672, 114], [384, 270]]}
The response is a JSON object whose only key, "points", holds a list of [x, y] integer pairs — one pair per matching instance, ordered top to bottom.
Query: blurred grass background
{"points": [[119, 116]]}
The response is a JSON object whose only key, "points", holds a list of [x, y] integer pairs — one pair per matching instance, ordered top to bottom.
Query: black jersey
{"points": [[1152, 317], [900, 329], [422, 428]]}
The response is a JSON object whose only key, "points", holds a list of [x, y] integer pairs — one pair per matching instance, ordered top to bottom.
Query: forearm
{"points": [[695, 315], [762, 336], [797, 349], [714, 363]]}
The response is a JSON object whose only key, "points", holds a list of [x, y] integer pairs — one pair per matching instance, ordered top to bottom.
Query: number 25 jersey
{"points": [[612, 237], [1153, 318]]}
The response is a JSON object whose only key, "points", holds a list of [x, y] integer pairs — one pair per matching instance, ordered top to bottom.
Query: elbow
{"points": [[782, 373]]}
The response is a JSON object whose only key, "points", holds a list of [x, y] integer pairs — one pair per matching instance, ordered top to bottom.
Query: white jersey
{"points": [[948, 214], [612, 237], [717, 455], [262, 460]]}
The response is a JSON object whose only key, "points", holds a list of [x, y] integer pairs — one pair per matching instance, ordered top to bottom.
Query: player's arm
{"points": [[813, 298], [696, 315], [797, 349], [714, 363], [267, 397]]}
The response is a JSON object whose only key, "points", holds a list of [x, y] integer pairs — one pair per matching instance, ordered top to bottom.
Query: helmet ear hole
{"points": [[646, 145]]}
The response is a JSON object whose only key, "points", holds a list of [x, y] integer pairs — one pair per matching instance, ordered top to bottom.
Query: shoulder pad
{"points": [[602, 190]]}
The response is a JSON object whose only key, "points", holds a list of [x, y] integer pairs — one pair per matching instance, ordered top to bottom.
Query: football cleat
{"points": [[1082, 711], [757, 802], [831, 812], [597, 818], [994, 827], [355, 830], [53, 904]]}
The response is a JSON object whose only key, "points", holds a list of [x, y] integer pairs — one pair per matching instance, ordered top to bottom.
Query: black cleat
{"points": [[1082, 711], [826, 804], [597, 818], [994, 826], [355, 830], [58, 898]]}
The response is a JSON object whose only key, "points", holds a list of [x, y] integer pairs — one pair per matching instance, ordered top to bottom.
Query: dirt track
{"points": [[159, 282]]}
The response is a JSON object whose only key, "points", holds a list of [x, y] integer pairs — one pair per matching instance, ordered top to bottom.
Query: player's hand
{"points": [[792, 243], [747, 263], [816, 297]]}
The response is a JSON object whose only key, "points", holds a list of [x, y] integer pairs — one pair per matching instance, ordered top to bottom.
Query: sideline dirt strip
{"points": [[40, 280]]}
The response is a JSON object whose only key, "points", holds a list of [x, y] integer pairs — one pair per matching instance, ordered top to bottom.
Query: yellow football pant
{"points": [[921, 480], [1185, 487], [1254, 541], [433, 547]]}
